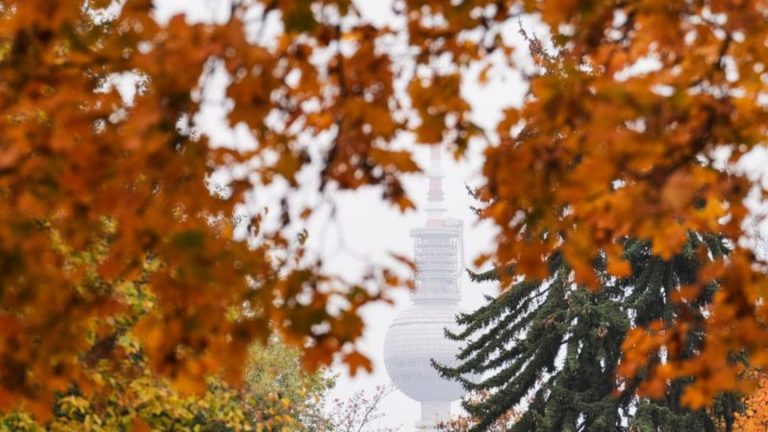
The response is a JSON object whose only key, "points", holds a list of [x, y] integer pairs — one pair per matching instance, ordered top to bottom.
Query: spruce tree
{"points": [[551, 348]]}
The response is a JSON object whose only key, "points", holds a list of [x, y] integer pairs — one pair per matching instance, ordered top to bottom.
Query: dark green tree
{"points": [[551, 348]]}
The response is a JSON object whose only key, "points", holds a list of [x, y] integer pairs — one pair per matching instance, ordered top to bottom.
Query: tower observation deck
{"points": [[416, 336]]}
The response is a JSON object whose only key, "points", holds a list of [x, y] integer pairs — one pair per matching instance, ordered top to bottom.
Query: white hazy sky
{"points": [[367, 227]]}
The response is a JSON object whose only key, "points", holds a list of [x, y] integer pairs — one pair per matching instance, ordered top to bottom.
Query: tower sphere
{"points": [[414, 339]]}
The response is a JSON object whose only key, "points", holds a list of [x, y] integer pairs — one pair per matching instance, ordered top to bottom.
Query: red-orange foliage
{"points": [[619, 137], [596, 153], [79, 162], [755, 416]]}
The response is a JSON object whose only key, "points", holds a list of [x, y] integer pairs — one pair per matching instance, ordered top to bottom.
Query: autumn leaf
{"points": [[357, 361]]}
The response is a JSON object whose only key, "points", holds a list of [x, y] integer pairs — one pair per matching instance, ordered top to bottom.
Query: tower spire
{"points": [[435, 195]]}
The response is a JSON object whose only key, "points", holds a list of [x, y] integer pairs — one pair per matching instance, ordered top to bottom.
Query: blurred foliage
{"points": [[277, 393], [755, 417]]}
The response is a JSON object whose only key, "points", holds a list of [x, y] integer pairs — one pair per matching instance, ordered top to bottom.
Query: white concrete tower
{"points": [[416, 336]]}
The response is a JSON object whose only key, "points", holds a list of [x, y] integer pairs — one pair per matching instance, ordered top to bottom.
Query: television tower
{"points": [[417, 336]]}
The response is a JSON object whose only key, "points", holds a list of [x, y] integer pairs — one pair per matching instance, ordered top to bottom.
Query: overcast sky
{"points": [[366, 227]]}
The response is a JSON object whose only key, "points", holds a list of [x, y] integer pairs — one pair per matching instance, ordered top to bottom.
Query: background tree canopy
{"points": [[599, 151], [121, 392]]}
